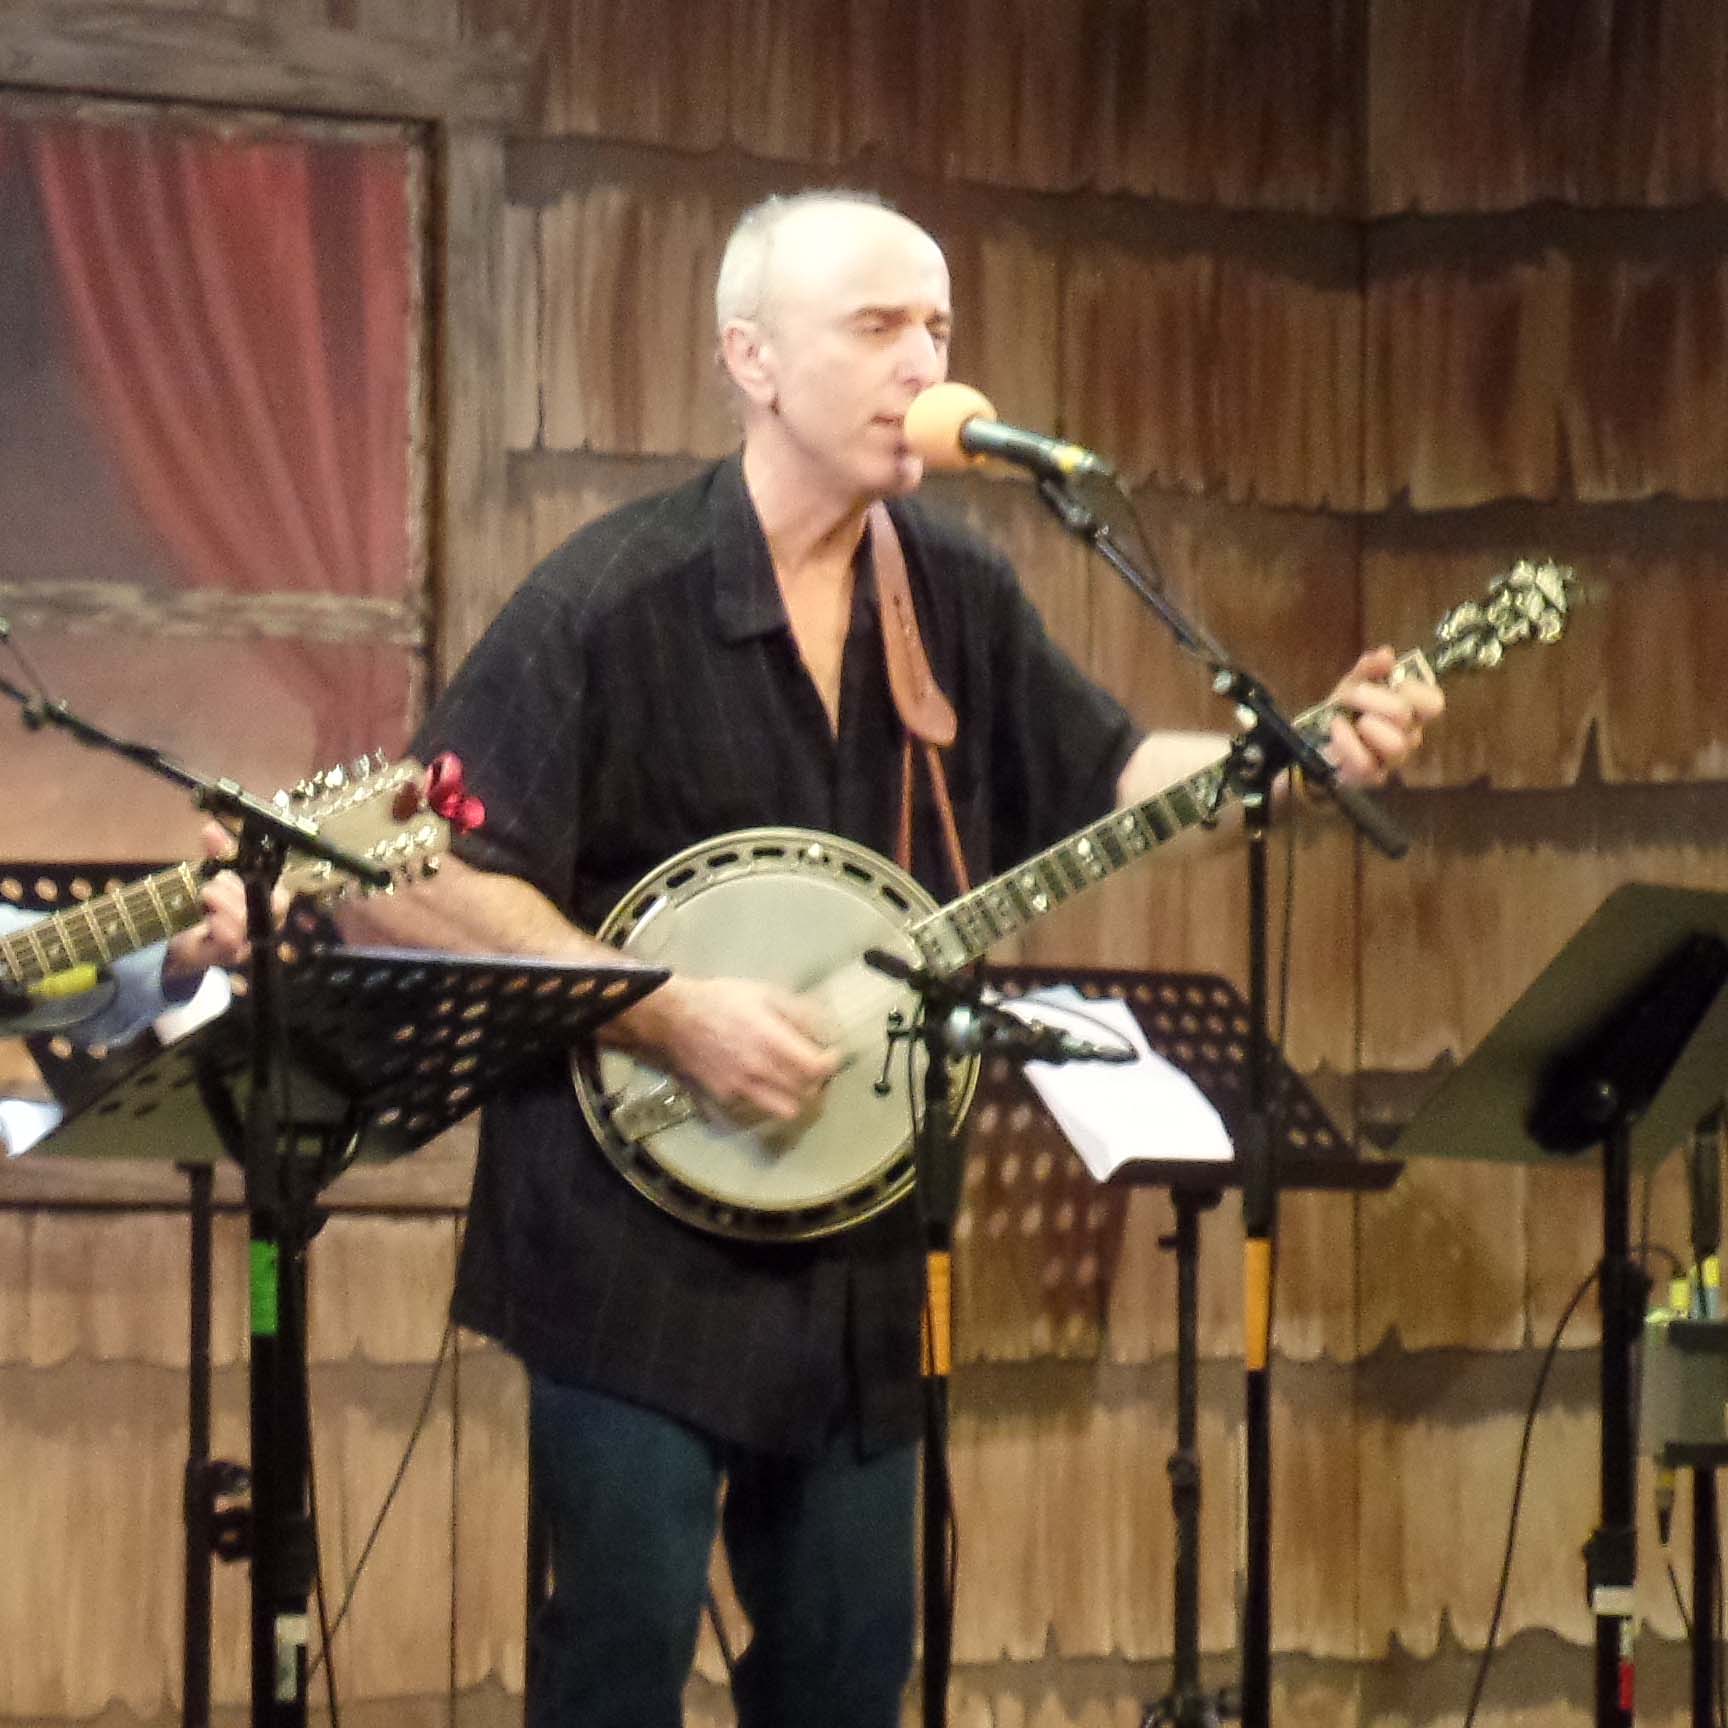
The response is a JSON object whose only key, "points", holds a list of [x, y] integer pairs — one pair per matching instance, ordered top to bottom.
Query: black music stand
{"points": [[1199, 1023], [1621, 1043], [386, 1048]]}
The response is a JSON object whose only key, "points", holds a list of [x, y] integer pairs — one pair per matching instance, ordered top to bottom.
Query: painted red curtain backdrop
{"points": [[240, 313]]}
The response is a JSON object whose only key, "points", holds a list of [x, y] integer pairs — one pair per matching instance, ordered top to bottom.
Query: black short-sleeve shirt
{"points": [[640, 693]]}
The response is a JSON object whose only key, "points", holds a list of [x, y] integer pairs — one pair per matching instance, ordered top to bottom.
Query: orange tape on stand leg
{"points": [[1256, 1303], [939, 1317]]}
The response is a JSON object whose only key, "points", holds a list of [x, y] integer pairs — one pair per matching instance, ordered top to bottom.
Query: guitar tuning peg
{"points": [[360, 767], [334, 778], [305, 788], [280, 798]]}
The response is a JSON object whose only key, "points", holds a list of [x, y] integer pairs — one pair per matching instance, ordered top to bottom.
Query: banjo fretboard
{"points": [[966, 929]]}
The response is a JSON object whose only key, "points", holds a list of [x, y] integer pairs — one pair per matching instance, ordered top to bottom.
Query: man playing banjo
{"points": [[709, 660]]}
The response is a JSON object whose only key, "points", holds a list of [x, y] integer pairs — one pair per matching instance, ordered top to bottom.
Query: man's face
{"points": [[856, 323]]}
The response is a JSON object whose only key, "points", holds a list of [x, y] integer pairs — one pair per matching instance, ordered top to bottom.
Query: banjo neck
{"points": [[963, 931]]}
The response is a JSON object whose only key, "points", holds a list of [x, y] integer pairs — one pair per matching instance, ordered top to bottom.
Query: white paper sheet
{"points": [[1114, 1112]]}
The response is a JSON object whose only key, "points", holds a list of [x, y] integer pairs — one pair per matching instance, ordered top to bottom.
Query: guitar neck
{"points": [[104, 928], [966, 929]]}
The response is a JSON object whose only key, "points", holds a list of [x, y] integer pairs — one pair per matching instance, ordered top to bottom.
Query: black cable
{"points": [[1285, 965], [390, 1493], [1518, 1496], [1679, 1594], [325, 1630]]}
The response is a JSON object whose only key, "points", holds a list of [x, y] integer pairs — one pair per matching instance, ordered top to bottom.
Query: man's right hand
{"points": [[754, 1049]]}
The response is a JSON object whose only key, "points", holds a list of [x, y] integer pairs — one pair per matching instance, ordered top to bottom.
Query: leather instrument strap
{"points": [[926, 714]]}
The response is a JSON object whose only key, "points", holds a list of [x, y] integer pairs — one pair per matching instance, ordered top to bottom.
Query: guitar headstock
{"points": [[1528, 603], [395, 814]]}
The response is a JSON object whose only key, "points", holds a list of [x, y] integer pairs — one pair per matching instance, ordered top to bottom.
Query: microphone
{"points": [[954, 426], [978, 1022], [986, 1027]]}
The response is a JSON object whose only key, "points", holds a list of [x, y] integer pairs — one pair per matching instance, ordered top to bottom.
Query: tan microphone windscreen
{"points": [[934, 419]]}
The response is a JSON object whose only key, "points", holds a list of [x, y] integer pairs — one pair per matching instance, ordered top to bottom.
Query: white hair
{"points": [[741, 288]]}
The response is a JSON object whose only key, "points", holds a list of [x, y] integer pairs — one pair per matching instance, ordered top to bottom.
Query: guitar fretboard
{"points": [[102, 929]]}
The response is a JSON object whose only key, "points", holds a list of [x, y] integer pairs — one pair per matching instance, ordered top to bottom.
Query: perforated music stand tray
{"points": [[388, 1048]]}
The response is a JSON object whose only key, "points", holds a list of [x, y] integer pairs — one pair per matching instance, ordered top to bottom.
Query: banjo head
{"points": [[795, 908]]}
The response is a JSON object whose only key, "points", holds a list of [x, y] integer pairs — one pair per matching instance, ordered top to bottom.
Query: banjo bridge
{"points": [[664, 1105]]}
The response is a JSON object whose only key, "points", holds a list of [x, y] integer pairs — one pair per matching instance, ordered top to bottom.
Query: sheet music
{"points": [[1115, 1112]]}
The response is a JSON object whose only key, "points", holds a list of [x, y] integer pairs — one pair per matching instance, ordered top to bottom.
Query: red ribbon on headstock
{"points": [[449, 797]]}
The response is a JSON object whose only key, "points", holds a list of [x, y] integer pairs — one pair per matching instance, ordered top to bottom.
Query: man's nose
{"points": [[921, 362]]}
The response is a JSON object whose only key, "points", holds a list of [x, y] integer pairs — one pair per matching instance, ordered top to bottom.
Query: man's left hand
{"points": [[1381, 725], [220, 938]]}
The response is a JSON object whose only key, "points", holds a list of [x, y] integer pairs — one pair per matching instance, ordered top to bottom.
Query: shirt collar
{"points": [[746, 597], [747, 600]]}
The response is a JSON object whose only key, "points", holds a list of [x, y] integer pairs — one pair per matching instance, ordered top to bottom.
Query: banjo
{"points": [[850, 1155]]}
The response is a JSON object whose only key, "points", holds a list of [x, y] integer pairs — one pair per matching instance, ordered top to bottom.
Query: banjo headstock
{"points": [[1528, 603]]}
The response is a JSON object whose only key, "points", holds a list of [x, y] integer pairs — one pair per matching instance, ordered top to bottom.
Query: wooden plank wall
{"points": [[1367, 297], [1544, 301]]}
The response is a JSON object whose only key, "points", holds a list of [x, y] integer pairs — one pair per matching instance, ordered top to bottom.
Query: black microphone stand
{"points": [[1269, 744], [954, 1018], [941, 1167], [279, 1535]]}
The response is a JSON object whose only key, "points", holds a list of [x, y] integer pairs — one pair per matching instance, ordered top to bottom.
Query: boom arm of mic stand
{"points": [[1270, 730], [218, 797]]}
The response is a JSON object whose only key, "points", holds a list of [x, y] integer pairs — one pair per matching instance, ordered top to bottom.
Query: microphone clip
{"points": [[963, 1016]]}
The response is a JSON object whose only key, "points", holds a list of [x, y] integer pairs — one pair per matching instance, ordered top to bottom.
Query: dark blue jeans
{"points": [[821, 1554]]}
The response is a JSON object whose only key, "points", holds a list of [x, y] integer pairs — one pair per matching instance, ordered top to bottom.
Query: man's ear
{"points": [[747, 355]]}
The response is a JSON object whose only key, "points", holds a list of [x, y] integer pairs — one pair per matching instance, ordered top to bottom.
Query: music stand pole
{"points": [[1611, 1556], [1706, 1653], [1187, 1705]]}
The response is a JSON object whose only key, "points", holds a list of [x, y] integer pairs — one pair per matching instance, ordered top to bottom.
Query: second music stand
{"points": [[1198, 1023], [1622, 1044], [386, 1048]]}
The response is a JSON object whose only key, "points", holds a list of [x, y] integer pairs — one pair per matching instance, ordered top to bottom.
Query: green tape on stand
{"points": [[265, 1285]]}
